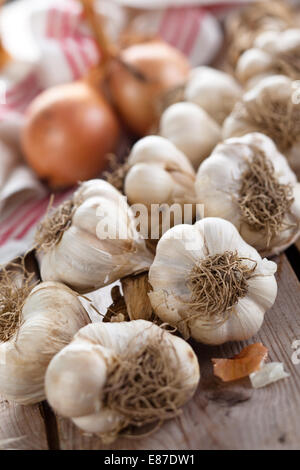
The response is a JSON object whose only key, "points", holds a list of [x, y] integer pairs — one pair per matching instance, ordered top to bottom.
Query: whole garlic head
{"points": [[273, 52], [213, 90], [271, 107], [191, 130], [158, 174], [248, 182], [98, 244], [209, 283], [51, 315], [112, 375]]}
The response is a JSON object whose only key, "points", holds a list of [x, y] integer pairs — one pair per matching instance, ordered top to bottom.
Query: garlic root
{"points": [[35, 323]]}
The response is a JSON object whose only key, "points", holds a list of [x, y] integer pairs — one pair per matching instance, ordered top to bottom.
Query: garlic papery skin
{"points": [[273, 52], [213, 90], [270, 107], [191, 130], [159, 173], [221, 181], [100, 246], [183, 258], [51, 315], [79, 379]]}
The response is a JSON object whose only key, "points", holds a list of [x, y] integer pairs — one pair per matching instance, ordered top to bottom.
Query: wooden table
{"points": [[220, 416]]}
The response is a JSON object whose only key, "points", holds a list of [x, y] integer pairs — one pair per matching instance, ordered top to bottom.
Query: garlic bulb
{"points": [[273, 52], [214, 91], [271, 107], [191, 129], [158, 174], [248, 182], [91, 241], [209, 283], [34, 327], [115, 375]]}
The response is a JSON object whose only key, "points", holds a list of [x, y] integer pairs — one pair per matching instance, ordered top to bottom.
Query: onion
{"points": [[141, 76], [68, 133]]}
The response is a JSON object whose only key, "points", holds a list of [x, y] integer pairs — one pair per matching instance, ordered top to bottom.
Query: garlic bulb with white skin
{"points": [[273, 52], [213, 90], [271, 107], [191, 129], [159, 174], [248, 182], [91, 241], [209, 283], [34, 325], [116, 375]]}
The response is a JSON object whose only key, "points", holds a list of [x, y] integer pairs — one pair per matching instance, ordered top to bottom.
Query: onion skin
{"points": [[137, 100], [68, 133]]}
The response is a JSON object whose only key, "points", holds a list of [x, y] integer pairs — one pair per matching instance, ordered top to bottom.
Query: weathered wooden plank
{"points": [[232, 416], [21, 427]]}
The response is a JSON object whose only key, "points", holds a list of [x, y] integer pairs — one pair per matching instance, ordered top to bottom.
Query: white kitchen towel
{"points": [[50, 44]]}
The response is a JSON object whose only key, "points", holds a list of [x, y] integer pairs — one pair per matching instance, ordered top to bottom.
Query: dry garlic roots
{"points": [[273, 52], [214, 91], [271, 107], [191, 129], [159, 174], [248, 182], [91, 241], [209, 283], [34, 325], [113, 376]]}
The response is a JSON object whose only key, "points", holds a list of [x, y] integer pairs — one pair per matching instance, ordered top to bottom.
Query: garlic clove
{"points": [[191, 129], [148, 183], [107, 420]]}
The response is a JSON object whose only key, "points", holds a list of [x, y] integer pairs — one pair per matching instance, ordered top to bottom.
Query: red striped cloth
{"points": [[66, 52]]}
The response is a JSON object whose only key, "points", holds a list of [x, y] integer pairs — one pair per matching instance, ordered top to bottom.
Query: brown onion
{"points": [[141, 76], [68, 133]]}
